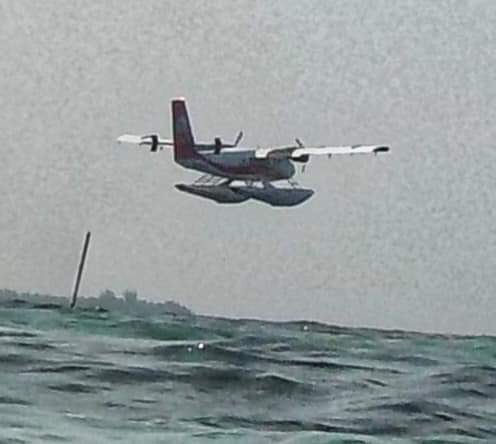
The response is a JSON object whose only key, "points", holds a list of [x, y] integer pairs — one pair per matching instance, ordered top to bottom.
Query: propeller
{"points": [[238, 138], [153, 142], [218, 145], [306, 158]]}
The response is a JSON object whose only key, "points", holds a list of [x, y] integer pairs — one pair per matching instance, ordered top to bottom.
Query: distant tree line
{"points": [[107, 300]]}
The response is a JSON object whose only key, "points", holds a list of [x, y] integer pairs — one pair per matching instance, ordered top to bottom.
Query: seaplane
{"points": [[231, 174]]}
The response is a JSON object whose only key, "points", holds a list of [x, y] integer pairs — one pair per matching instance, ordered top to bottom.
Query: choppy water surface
{"points": [[105, 377]]}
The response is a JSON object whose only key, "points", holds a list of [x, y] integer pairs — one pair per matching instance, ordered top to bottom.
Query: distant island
{"points": [[128, 302]]}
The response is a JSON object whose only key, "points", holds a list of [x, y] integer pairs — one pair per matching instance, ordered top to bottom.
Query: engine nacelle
{"points": [[153, 141], [303, 159]]}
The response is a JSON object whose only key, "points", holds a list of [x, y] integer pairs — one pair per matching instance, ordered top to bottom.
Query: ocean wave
{"points": [[224, 379]]}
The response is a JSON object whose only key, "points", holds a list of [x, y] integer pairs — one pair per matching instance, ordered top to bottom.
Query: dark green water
{"points": [[101, 377]]}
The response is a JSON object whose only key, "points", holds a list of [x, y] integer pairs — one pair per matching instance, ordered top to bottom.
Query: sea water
{"points": [[86, 376]]}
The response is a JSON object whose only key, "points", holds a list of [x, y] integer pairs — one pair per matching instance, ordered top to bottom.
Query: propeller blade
{"points": [[238, 138], [153, 141], [218, 145]]}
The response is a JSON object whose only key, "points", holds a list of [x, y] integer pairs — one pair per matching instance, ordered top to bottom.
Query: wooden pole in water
{"points": [[80, 269]]}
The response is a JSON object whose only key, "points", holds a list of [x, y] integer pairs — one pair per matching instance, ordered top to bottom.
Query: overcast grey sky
{"points": [[400, 241]]}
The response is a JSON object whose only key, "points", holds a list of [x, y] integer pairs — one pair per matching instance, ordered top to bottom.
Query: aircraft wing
{"points": [[298, 151], [278, 152]]}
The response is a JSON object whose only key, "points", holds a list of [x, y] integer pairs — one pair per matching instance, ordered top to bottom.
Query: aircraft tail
{"points": [[184, 143]]}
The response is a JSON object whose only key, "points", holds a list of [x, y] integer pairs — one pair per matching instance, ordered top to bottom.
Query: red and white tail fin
{"points": [[184, 143]]}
